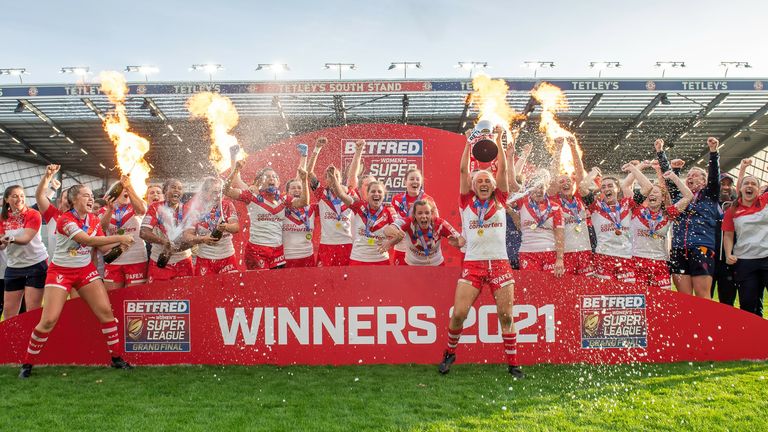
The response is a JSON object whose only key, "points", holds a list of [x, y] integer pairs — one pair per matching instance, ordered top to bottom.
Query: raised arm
{"points": [[319, 143], [501, 162], [577, 162], [520, 164], [354, 166], [554, 167], [713, 169], [742, 172], [637, 173], [465, 181], [234, 184], [586, 184], [626, 184], [514, 186], [337, 189], [41, 193], [687, 195], [303, 200], [139, 206], [106, 216], [148, 234], [99, 241]]}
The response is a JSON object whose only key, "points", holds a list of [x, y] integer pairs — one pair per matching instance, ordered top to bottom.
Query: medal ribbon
{"points": [[271, 192], [336, 201], [403, 204], [573, 208], [482, 209], [119, 214], [303, 215], [615, 215], [541, 218], [371, 221], [653, 221], [212, 222], [85, 226], [425, 242]]}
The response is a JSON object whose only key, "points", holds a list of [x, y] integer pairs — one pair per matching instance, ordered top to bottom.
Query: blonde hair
{"points": [[477, 173]]}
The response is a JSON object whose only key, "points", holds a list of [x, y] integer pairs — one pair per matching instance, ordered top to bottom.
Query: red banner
{"points": [[344, 316]]}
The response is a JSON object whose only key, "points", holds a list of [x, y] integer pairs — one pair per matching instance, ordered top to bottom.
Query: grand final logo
{"points": [[613, 321], [157, 325]]}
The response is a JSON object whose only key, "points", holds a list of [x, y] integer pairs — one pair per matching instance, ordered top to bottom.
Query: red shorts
{"points": [[333, 255], [259, 257], [398, 258], [539, 261], [300, 262], [364, 263], [579, 263], [205, 266], [614, 268], [180, 269], [493, 273], [653, 273], [128, 274], [67, 278]]}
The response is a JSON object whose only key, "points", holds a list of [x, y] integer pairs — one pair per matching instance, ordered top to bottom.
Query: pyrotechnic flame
{"points": [[490, 96], [553, 100], [222, 117], [129, 147]]}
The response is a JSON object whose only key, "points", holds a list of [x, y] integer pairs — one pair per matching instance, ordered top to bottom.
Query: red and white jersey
{"points": [[403, 205], [267, 216], [49, 217], [125, 218], [335, 218], [205, 221], [575, 222], [169, 223], [751, 226], [298, 227], [606, 228], [538, 231], [650, 231], [486, 240], [365, 244], [424, 246], [69, 253], [19, 256]]}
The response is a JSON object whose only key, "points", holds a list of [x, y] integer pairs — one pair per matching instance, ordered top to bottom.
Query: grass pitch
{"points": [[685, 396]]}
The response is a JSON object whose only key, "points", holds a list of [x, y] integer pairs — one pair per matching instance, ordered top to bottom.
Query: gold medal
{"points": [[338, 225], [534, 226], [577, 228], [120, 231], [480, 232], [617, 232], [308, 236], [371, 241], [73, 252]]}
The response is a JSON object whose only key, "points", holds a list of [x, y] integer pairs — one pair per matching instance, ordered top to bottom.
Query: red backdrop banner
{"points": [[343, 316]]}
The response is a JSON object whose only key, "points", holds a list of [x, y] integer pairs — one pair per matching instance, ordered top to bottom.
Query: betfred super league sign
{"points": [[387, 159], [156, 326]]}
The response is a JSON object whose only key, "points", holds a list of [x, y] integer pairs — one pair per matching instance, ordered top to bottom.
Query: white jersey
{"points": [[403, 205], [267, 215], [335, 218], [124, 220], [163, 220], [206, 221], [574, 224], [750, 225], [298, 227], [612, 227], [538, 230], [368, 231], [650, 231], [486, 240], [424, 247], [70, 253], [20, 256]]}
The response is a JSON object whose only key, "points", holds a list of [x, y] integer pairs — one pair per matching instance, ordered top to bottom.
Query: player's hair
{"points": [[699, 169], [414, 170], [262, 172], [475, 174], [613, 179], [290, 182], [375, 182], [208, 183], [72, 193], [424, 202], [6, 206]]}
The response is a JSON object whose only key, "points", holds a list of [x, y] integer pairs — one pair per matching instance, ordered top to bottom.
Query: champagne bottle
{"points": [[115, 191], [217, 233], [113, 254], [162, 260]]}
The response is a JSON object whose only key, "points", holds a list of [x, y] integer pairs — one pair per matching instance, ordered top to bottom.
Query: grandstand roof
{"points": [[615, 119]]}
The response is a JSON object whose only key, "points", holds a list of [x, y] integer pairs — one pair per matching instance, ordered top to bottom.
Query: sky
{"points": [[43, 36]]}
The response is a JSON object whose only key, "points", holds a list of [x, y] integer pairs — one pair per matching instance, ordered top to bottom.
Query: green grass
{"points": [[684, 396]]}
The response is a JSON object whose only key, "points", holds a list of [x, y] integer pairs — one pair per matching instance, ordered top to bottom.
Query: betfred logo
{"points": [[386, 147], [157, 326]]}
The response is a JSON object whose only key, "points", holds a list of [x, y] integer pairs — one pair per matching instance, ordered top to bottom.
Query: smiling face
{"points": [[329, 177], [269, 178], [696, 179], [364, 182], [413, 182], [566, 184], [483, 185], [294, 188], [750, 188], [727, 189], [211, 190], [610, 190], [173, 192], [376, 193], [154, 194], [655, 198], [15, 199], [82, 202], [422, 215]]}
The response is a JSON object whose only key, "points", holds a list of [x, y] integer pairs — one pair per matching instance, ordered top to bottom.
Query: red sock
{"points": [[109, 329], [453, 340], [36, 342], [510, 348]]}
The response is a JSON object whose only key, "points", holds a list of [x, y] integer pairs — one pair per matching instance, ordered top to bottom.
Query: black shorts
{"points": [[693, 261], [33, 276]]}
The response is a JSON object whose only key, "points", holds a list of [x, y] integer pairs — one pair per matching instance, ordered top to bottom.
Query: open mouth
{"points": [[89, 205]]}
